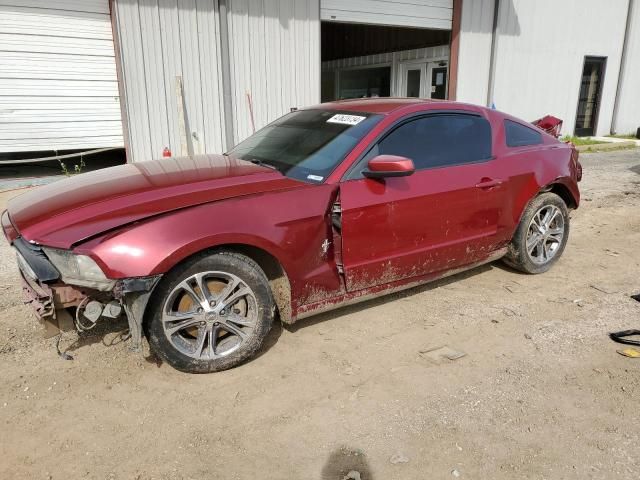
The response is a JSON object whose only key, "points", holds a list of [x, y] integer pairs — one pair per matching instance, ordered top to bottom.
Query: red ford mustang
{"points": [[326, 206]]}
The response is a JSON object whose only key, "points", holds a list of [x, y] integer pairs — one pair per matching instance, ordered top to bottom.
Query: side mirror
{"points": [[384, 166]]}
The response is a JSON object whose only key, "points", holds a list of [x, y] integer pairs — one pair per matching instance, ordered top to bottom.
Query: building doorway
{"points": [[362, 60], [413, 79], [423, 79], [439, 81], [589, 96]]}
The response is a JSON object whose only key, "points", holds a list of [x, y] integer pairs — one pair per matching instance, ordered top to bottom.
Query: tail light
{"points": [[576, 162], [579, 170]]}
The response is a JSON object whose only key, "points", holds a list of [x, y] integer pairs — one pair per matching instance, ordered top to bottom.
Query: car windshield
{"points": [[306, 144]]}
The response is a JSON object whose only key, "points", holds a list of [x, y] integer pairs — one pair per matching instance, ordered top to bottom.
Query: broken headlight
{"points": [[78, 269]]}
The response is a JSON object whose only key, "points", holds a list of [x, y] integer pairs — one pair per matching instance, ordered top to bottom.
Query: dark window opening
{"points": [[365, 82], [413, 83], [589, 95], [518, 135], [438, 141]]}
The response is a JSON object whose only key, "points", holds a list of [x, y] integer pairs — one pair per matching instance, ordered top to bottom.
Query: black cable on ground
{"points": [[620, 337], [63, 355]]}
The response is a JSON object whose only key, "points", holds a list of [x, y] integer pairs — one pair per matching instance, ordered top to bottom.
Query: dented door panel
{"points": [[409, 226]]}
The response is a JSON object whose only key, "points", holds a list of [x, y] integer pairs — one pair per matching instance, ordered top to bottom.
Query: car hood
{"points": [[69, 211]]}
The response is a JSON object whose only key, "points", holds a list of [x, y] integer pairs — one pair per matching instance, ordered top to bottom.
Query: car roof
{"points": [[390, 104]]}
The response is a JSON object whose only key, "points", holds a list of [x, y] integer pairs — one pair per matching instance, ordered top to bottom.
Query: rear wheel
{"points": [[541, 236], [211, 313]]}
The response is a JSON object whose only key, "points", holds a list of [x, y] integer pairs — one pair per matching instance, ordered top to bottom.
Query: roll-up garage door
{"points": [[434, 14], [58, 83]]}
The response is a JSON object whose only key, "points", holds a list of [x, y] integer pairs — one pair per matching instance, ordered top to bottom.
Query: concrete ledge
{"points": [[602, 147]]}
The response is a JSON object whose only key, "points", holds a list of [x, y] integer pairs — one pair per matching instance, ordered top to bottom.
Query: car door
{"points": [[447, 214]]}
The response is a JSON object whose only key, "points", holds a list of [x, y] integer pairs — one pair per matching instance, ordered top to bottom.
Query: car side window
{"points": [[518, 135], [438, 141]]}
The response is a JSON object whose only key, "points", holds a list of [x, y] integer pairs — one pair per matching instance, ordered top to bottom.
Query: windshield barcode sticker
{"points": [[346, 119], [316, 178]]}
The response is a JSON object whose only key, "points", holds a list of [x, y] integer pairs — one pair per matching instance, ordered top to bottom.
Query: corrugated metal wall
{"points": [[406, 13], [160, 40], [274, 49], [428, 53], [474, 55], [540, 55], [275, 59], [58, 83], [629, 103]]}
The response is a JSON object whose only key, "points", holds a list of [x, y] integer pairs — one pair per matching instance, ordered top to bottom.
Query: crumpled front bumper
{"points": [[42, 289], [38, 296], [50, 298], [49, 303]]}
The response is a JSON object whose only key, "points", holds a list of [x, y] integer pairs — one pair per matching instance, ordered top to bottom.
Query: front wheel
{"points": [[541, 235], [210, 313]]}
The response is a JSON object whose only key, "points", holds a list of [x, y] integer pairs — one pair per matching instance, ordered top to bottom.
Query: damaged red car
{"points": [[326, 206]]}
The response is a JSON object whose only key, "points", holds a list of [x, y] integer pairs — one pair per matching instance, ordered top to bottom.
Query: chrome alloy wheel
{"points": [[545, 234], [209, 315]]}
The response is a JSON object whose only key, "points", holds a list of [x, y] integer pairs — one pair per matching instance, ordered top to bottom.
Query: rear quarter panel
{"points": [[531, 169]]}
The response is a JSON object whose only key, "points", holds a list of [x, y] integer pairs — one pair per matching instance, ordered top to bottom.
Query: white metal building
{"points": [[540, 51], [200, 75], [58, 81]]}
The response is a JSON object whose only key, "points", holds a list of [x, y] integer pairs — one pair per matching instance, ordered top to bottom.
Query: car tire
{"points": [[539, 240], [203, 331]]}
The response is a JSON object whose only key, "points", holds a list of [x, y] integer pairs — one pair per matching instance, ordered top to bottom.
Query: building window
{"points": [[365, 82], [518, 135]]}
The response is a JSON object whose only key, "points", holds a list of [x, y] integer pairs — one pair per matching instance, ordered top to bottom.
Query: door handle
{"points": [[489, 183]]}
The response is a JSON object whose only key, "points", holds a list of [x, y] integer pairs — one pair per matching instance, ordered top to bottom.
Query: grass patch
{"points": [[628, 136], [581, 140]]}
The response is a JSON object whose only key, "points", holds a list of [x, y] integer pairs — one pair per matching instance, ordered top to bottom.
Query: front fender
{"points": [[289, 225], [217, 240]]}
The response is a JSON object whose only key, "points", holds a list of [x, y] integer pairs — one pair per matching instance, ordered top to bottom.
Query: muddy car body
{"points": [[328, 205]]}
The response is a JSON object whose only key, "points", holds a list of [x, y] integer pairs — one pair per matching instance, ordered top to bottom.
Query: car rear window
{"points": [[518, 135]]}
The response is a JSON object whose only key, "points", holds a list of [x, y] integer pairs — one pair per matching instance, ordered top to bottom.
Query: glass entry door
{"points": [[413, 80], [423, 80], [438, 82], [589, 96]]}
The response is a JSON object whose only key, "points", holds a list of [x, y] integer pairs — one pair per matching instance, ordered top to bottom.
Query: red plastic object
{"points": [[549, 124], [166, 152]]}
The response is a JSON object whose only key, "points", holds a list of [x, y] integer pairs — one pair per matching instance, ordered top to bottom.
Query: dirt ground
{"points": [[541, 392]]}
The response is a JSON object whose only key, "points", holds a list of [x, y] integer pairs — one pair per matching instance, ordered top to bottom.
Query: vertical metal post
{"points": [[454, 49], [494, 50], [225, 67], [621, 71], [122, 94]]}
